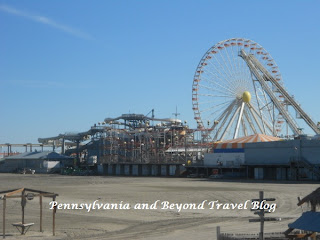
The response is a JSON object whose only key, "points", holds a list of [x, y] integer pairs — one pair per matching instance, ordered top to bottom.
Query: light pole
{"points": [[185, 143], [170, 144], [141, 146], [132, 149], [152, 150], [125, 151]]}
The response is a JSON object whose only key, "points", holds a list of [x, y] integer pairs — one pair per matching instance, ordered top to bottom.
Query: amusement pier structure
{"points": [[247, 125], [132, 138]]}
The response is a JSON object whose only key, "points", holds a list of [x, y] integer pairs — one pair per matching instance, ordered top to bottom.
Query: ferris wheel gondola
{"points": [[228, 101]]}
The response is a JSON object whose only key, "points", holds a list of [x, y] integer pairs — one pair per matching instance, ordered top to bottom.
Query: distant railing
{"points": [[4, 154]]}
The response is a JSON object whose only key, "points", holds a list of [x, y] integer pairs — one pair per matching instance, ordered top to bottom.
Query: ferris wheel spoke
{"points": [[234, 59], [238, 60], [230, 62], [223, 67], [236, 67], [243, 69], [238, 70], [220, 75], [232, 75], [227, 76], [222, 82], [217, 84], [215, 90], [215, 93], [212, 95], [213, 101], [215, 106], [221, 109], [222, 115]]}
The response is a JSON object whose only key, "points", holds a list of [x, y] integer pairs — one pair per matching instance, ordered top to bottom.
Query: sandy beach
{"points": [[159, 223]]}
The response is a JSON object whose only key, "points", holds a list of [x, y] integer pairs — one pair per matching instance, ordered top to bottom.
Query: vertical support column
{"points": [[40, 198], [23, 204], [4, 216], [261, 217], [54, 218]]}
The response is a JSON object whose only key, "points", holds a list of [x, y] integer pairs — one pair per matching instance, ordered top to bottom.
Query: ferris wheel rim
{"points": [[220, 46]]}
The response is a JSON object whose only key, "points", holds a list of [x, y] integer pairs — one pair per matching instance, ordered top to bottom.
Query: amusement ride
{"points": [[238, 91]]}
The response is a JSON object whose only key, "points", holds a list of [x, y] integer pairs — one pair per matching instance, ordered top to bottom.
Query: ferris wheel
{"points": [[227, 98]]}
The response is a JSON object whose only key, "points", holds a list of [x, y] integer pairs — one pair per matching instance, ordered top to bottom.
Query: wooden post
{"points": [[40, 198], [23, 203], [4, 216], [261, 217], [54, 218], [218, 233]]}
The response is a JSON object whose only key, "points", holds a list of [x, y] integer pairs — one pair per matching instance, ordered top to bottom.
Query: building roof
{"points": [[239, 142], [46, 155], [309, 221]]}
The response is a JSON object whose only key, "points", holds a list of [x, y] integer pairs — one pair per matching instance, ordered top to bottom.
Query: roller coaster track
{"points": [[262, 75]]}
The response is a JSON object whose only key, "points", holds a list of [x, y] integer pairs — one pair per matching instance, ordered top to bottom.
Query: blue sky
{"points": [[65, 65]]}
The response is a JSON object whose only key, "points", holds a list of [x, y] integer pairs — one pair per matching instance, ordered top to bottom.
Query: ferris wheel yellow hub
{"points": [[246, 97]]}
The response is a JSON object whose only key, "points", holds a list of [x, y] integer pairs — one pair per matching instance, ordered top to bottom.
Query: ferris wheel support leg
{"points": [[225, 115], [255, 119], [262, 119], [239, 121], [249, 121], [230, 123], [244, 128]]}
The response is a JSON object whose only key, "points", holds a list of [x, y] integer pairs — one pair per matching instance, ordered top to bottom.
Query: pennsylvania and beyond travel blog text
{"points": [[166, 205]]}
